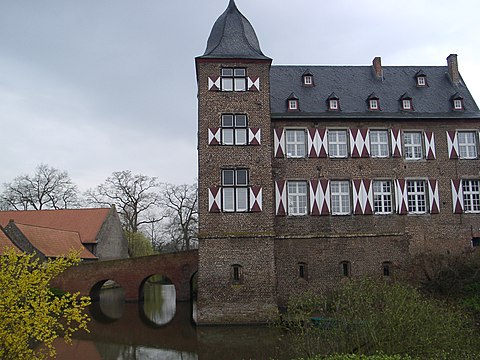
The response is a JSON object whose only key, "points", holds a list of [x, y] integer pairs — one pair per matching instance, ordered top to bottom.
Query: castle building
{"points": [[309, 175]]}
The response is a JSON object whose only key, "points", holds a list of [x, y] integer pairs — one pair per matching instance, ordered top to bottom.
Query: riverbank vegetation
{"points": [[32, 315], [375, 319]]}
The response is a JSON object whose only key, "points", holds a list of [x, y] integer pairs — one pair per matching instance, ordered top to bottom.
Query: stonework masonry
{"points": [[251, 262]]}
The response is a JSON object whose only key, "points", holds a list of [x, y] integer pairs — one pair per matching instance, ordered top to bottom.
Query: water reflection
{"points": [[159, 303], [160, 329]]}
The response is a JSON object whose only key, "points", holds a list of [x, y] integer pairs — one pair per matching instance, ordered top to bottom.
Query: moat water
{"points": [[160, 328]]}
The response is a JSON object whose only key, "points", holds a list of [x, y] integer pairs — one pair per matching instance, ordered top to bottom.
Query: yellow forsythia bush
{"points": [[31, 316]]}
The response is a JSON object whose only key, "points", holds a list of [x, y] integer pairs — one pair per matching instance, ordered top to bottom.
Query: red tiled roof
{"points": [[87, 222], [5, 242], [54, 242]]}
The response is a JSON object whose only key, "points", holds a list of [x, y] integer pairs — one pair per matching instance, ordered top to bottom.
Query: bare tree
{"points": [[47, 188], [134, 195], [179, 204]]}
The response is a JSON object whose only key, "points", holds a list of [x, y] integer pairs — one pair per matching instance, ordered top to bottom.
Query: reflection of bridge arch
{"points": [[131, 274]]}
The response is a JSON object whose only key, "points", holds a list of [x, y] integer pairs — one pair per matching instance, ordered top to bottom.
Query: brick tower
{"points": [[236, 234]]}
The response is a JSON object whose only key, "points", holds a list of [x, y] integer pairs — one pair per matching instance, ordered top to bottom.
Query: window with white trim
{"points": [[234, 79], [307, 80], [421, 81], [292, 104], [333, 104], [373, 104], [407, 104], [457, 104], [234, 129], [295, 143], [337, 143], [379, 143], [412, 144], [467, 144], [235, 190], [471, 195], [416, 196], [340, 197], [382, 197], [297, 198]]}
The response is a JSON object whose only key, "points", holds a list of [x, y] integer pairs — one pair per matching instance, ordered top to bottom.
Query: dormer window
{"points": [[307, 78], [421, 78], [333, 102], [406, 102], [457, 102], [292, 103], [373, 103]]}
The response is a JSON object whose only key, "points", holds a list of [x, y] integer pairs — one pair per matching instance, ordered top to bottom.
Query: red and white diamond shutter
{"points": [[214, 83], [253, 84], [214, 136], [254, 137], [396, 137], [279, 142], [316, 143], [360, 143], [452, 143], [430, 145], [362, 196], [401, 196], [433, 196], [457, 196], [280, 197], [319, 197], [214, 199], [255, 199]]}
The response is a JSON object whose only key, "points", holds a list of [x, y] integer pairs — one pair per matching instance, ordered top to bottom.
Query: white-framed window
{"points": [[234, 79], [307, 80], [421, 81], [293, 104], [333, 104], [373, 104], [407, 104], [457, 104], [234, 129], [295, 143], [337, 143], [379, 143], [412, 144], [467, 144], [235, 190], [471, 195], [416, 196], [340, 197], [382, 197], [297, 198]]}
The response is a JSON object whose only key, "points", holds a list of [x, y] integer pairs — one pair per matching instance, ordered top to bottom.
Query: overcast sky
{"points": [[96, 86]]}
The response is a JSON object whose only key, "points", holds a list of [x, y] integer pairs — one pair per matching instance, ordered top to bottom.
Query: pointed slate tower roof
{"points": [[233, 36]]}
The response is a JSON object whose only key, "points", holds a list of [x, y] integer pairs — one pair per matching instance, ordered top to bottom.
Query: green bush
{"points": [[369, 316], [360, 357]]}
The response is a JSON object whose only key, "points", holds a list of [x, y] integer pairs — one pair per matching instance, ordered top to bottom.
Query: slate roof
{"points": [[233, 36], [353, 85], [87, 222], [6, 242], [54, 242]]}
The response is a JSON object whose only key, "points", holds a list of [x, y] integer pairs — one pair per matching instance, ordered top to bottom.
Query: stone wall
{"points": [[111, 240]]}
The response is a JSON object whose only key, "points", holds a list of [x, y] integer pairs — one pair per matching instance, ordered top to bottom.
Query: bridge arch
{"points": [[131, 274]]}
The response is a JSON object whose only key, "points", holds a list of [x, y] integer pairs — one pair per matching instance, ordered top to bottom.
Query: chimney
{"points": [[377, 67], [453, 69]]}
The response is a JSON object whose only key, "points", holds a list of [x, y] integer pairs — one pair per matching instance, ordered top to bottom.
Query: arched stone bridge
{"points": [[131, 274]]}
